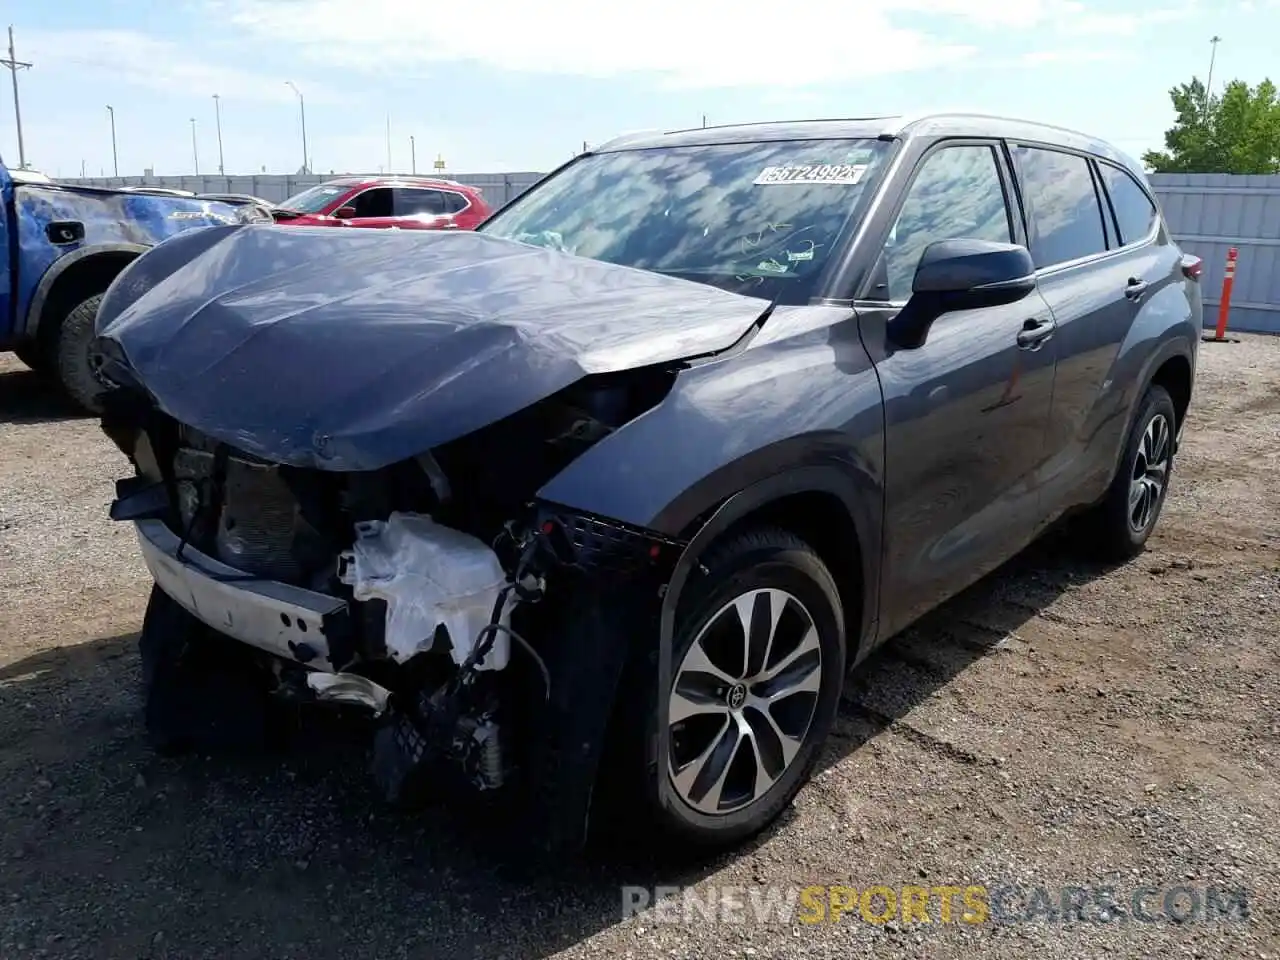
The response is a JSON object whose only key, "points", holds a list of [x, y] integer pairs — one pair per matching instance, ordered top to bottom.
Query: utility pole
{"points": [[14, 65], [1208, 86], [302, 106], [217, 114], [195, 154], [413, 157], [115, 163]]}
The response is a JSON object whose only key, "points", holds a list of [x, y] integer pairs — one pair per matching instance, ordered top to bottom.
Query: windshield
{"points": [[315, 199], [755, 218]]}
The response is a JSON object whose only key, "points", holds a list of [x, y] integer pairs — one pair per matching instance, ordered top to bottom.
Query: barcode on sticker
{"points": [[832, 173]]}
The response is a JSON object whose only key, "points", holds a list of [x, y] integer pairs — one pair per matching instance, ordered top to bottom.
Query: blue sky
{"points": [[507, 85]]}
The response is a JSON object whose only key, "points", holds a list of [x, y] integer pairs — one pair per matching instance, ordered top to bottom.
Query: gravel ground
{"points": [[1058, 724]]}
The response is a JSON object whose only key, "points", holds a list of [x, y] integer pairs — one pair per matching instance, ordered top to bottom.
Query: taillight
{"points": [[1192, 267]]}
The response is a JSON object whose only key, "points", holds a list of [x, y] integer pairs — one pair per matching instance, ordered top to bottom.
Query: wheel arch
{"points": [[72, 279], [1171, 365], [1176, 374], [826, 506]]}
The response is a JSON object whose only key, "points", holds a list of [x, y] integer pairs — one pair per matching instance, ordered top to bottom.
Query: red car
{"points": [[410, 203]]}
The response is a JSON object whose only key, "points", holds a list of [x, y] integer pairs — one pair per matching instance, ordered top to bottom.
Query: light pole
{"points": [[14, 65], [1208, 87], [302, 108], [217, 115], [195, 155], [413, 157], [115, 163]]}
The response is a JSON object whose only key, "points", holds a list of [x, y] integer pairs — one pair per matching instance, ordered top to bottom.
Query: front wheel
{"points": [[757, 669], [200, 689]]}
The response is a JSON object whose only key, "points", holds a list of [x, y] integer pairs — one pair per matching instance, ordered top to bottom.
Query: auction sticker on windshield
{"points": [[834, 173]]}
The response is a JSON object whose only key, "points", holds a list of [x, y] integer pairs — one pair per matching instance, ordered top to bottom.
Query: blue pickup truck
{"points": [[60, 248]]}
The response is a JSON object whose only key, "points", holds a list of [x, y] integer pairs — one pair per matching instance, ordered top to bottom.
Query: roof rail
{"points": [[765, 123], [901, 123], [898, 124]]}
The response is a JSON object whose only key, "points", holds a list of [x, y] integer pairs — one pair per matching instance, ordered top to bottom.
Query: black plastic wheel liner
{"points": [[725, 515], [594, 641]]}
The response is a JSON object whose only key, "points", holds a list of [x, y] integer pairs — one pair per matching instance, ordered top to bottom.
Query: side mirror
{"points": [[345, 213], [962, 275]]}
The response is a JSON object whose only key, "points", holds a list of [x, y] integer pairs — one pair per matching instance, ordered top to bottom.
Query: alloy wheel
{"points": [[1150, 473], [742, 701]]}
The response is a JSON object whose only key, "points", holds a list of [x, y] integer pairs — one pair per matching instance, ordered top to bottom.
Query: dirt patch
{"points": [[1057, 725]]}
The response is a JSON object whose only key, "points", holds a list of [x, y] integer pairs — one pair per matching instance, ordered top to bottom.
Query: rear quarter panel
{"points": [[1165, 324]]}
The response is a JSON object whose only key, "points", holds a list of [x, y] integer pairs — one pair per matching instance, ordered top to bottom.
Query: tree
{"points": [[1237, 132]]}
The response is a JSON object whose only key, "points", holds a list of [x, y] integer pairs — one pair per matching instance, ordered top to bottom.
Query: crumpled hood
{"points": [[350, 350]]}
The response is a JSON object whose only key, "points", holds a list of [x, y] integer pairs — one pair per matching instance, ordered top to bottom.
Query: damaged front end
{"points": [[340, 439], [437, 594]]}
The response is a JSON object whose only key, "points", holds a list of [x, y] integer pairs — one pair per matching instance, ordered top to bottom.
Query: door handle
{"points": [[1135, 289], [1034, 333]]}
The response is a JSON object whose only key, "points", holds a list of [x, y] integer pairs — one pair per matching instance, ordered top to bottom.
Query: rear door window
{"points": [[416, 202], [1135, 212], [1066, 218]]}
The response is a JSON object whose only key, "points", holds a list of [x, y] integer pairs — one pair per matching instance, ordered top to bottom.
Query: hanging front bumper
{"points": [[292, 623]]}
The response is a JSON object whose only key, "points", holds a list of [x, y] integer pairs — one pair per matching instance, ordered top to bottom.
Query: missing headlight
{"points": [[505, 463]]}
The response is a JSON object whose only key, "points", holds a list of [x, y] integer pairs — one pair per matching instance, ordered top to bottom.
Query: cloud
{"points": [[711, 43], [1067, 55], [147, 61]]}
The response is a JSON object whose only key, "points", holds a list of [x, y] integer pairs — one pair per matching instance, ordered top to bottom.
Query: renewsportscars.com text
{"points": [[938, 904]]}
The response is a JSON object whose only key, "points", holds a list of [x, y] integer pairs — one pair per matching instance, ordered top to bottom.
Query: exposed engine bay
{"points": [[443, 571]]}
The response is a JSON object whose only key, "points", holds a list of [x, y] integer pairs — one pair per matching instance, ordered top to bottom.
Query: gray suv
{"points": [[594, 508]]}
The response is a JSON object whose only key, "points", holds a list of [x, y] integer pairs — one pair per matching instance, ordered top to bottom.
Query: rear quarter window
{"points": [[1135, 212]]}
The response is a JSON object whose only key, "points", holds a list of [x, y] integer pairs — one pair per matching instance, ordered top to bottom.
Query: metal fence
{"points": [[497, 188], [1211, 212]]}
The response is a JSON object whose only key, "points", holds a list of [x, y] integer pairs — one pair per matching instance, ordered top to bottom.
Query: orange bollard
{"points": [[1224, 304]]}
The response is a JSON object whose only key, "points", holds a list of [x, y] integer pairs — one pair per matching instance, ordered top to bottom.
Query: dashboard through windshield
{"points": [[756, 218]]}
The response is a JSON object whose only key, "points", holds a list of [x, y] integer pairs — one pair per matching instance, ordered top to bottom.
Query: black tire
{"points": [[29, 352], [75, 373], [1110, 530], [759, 559], [200, 689]]}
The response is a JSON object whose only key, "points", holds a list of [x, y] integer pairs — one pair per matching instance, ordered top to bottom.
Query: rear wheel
{"points": [[78, 377], [1120, 525], [758, 664]]}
